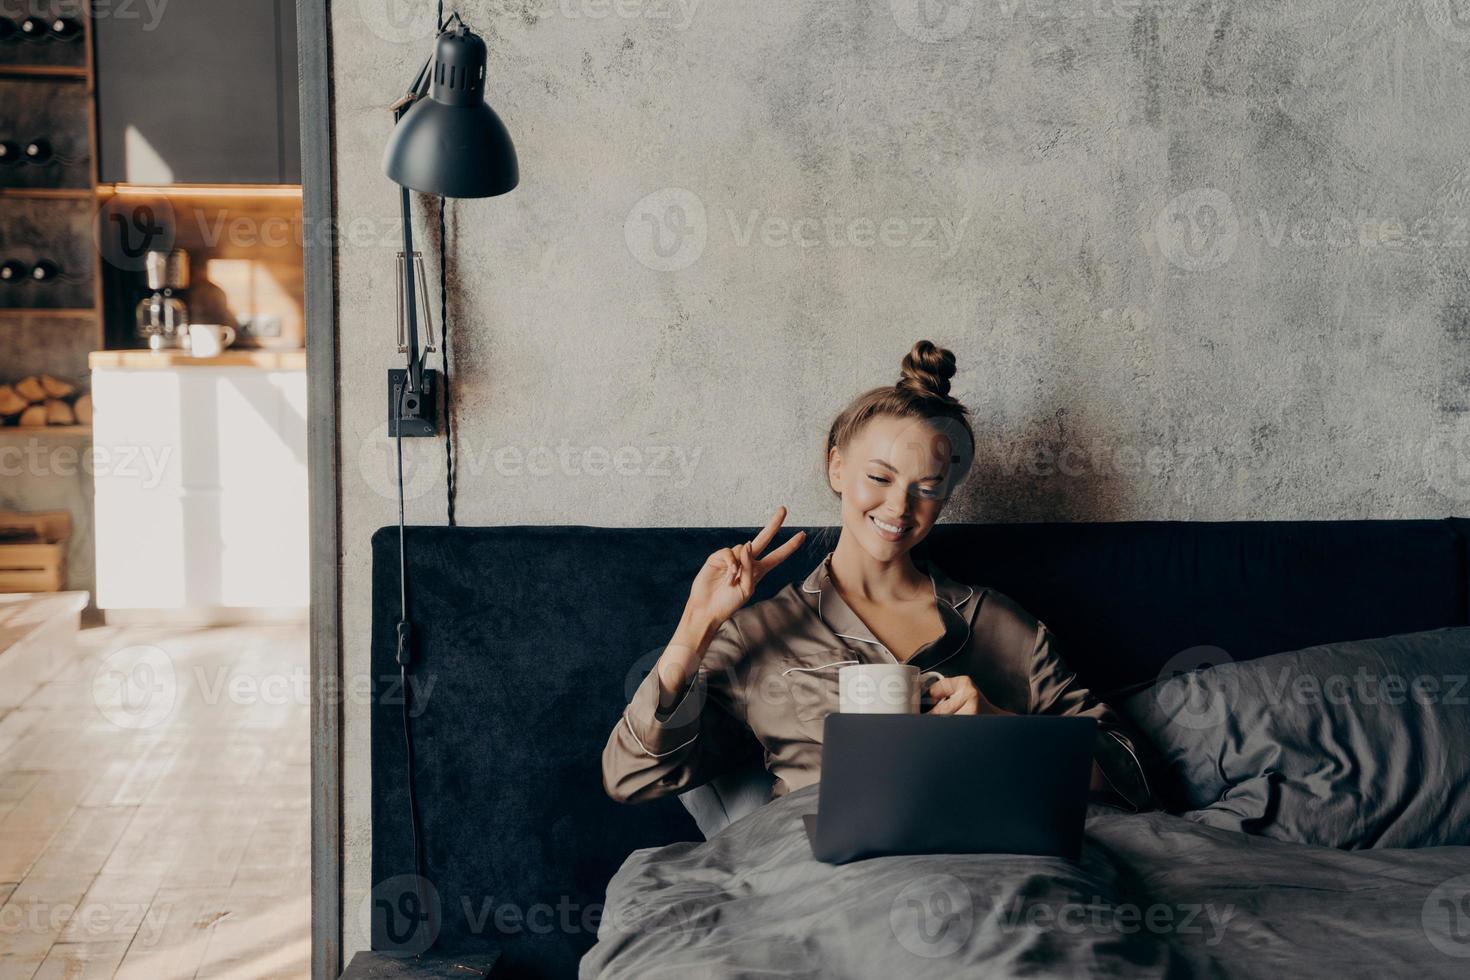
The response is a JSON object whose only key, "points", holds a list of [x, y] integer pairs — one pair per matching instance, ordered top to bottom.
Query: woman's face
{"points": [[893, 478]]}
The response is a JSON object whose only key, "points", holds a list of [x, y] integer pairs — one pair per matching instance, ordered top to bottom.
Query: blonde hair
{"points": [[921, 392]]}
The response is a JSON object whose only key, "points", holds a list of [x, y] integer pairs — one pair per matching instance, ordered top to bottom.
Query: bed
{"points": [[529, 640]]}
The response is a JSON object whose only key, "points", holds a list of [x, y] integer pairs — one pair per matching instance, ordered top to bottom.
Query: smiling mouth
{"points": [[887, 531]]}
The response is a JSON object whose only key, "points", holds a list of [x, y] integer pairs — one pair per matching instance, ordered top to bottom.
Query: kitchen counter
{"points": [[270, 360], [200, 501]]}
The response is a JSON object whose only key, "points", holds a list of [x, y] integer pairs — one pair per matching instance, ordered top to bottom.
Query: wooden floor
{"points": [[154, 810]]}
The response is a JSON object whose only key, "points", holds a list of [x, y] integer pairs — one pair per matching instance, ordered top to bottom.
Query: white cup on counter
{"points": [[210, 339]]}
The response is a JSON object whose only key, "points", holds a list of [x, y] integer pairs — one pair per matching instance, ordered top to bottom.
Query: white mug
{"points": [[210, 339], [882, 689]]}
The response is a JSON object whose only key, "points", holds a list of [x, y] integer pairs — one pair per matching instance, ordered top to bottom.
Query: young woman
{"points": [[770, 669]]}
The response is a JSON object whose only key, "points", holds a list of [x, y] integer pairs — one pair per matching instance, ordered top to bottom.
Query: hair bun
{"points": [[927, 370]]}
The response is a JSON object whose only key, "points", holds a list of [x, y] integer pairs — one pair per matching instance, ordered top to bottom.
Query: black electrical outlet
{"points": [[415, 413]]}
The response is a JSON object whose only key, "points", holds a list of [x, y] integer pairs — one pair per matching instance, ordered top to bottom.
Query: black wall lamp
{"points": [[447, 142]]}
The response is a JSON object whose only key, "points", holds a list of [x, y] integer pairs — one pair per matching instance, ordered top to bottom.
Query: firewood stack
{"points": [[43, 400]]}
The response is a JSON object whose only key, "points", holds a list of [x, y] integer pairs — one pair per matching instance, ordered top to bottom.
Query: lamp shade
{"points": [[452, 144]]}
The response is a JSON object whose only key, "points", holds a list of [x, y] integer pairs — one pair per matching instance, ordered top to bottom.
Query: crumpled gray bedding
{"points": [[1153, 895]]}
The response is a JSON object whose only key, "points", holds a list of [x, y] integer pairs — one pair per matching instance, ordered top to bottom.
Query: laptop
{"points": [[972, 784]]}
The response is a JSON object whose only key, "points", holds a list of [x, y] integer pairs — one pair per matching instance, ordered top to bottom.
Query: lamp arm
{"points": [[416, 91], [415, 357]]}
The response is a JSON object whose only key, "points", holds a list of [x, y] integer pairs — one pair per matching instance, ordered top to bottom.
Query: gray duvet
{"points": [[1154, 895]]}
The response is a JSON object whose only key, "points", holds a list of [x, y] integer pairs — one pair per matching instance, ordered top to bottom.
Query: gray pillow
{"points": [[1350, 745], [725, 799]]}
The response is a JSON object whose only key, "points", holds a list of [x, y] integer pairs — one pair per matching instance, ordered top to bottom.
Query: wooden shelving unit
{"points": [[83, 72], [48, 193], [59, 312], [11, 316], [50, 430]]}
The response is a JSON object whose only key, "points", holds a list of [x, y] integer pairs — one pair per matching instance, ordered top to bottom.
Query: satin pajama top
{"points": [[769, 679]]}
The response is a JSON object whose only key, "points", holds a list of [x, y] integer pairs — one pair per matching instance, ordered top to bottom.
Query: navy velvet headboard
{"points": [[529, 640]]}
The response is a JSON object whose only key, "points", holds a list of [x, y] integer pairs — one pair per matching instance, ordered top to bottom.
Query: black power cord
{"points": [[449, 487], [405, 628], [405, 658]]}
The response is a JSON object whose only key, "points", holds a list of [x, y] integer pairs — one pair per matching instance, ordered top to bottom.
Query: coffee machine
{"points": [[163, 316]]}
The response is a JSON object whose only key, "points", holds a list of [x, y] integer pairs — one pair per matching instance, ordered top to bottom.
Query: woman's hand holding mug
{"points": [[958, 695]]}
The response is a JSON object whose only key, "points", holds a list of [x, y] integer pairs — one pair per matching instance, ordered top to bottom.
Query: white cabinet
{"points": [[200, 487]]}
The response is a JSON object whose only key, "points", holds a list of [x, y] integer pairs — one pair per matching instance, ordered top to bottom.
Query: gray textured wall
{"points": [[1199, 260]]}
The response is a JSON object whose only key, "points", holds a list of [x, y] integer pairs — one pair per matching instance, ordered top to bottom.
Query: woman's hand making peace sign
{"points": [[729, 576], [724, 583]]}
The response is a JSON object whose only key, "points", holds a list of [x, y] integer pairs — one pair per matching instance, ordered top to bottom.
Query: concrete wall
{"points": [[1199, 260]]}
